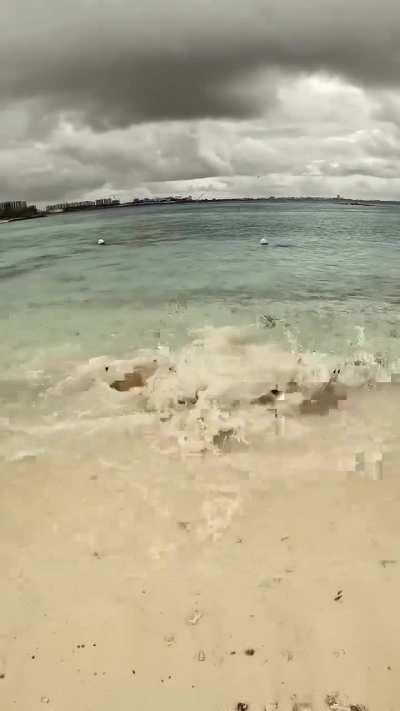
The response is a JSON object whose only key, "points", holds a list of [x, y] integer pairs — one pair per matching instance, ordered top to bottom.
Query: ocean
{"points": [[221, 320]]}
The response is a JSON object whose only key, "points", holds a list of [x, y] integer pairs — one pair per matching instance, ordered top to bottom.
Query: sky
{"points": [[213, 98]]}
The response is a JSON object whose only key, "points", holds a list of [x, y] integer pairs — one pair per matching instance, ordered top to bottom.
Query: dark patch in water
{"points": [[30, 265], [13, 272], [70, 278], [268, 321]]}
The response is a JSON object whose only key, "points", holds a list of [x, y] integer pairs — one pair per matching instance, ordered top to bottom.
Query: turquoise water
{"points": [[327, 268], [329, 280]]}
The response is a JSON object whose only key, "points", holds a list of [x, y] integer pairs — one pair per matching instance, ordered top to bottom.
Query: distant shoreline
{"points": [[206, 201], [214, 201], [26, 217]]}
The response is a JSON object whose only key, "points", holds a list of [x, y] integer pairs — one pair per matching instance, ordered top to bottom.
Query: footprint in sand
{"points": [[218, 515]]}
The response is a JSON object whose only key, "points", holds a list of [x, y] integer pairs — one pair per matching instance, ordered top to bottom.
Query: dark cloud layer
{"points": [[120, 62], [202, 96]]}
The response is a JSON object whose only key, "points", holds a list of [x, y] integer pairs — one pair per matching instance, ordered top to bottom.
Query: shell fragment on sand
{"points": [[195, 617], [334, 704]]}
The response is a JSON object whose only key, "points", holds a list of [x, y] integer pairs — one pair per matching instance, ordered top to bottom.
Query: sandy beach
{"points": [[207, 591]]}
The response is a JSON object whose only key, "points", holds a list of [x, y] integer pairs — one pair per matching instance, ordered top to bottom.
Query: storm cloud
{"points": [[120, 62], [115, 95]]}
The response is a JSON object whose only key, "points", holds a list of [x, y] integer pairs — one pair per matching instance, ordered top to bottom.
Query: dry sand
{"points": [[126, 593]]}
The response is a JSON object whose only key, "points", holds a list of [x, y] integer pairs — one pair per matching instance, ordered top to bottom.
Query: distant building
{"points": [[162, 200], [104, 201], [79, 204], [13, 205], [82, 205], [59, 207], [18, 210]]}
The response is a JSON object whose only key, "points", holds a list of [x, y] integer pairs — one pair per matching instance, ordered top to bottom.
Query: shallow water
{"points": [[191, 287]]}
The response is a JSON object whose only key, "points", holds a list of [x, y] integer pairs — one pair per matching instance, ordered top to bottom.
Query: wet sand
{"points": [[202, 591]]}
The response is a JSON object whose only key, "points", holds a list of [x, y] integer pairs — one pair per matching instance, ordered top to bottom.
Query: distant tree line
{"points": [[9, 213]]}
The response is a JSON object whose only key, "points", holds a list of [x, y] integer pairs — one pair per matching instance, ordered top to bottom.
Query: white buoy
{"points": [[100, 241], [263, 241]]}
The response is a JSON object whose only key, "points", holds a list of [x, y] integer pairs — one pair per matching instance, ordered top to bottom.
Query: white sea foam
{"points": [[202, 400]]}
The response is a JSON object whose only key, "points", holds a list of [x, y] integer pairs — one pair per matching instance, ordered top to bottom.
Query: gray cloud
{"points": [[121, 62], [101, 96], [41, 178]]}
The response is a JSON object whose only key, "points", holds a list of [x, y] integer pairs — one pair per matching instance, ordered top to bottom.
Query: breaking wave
{"points": [[223, 394]]}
